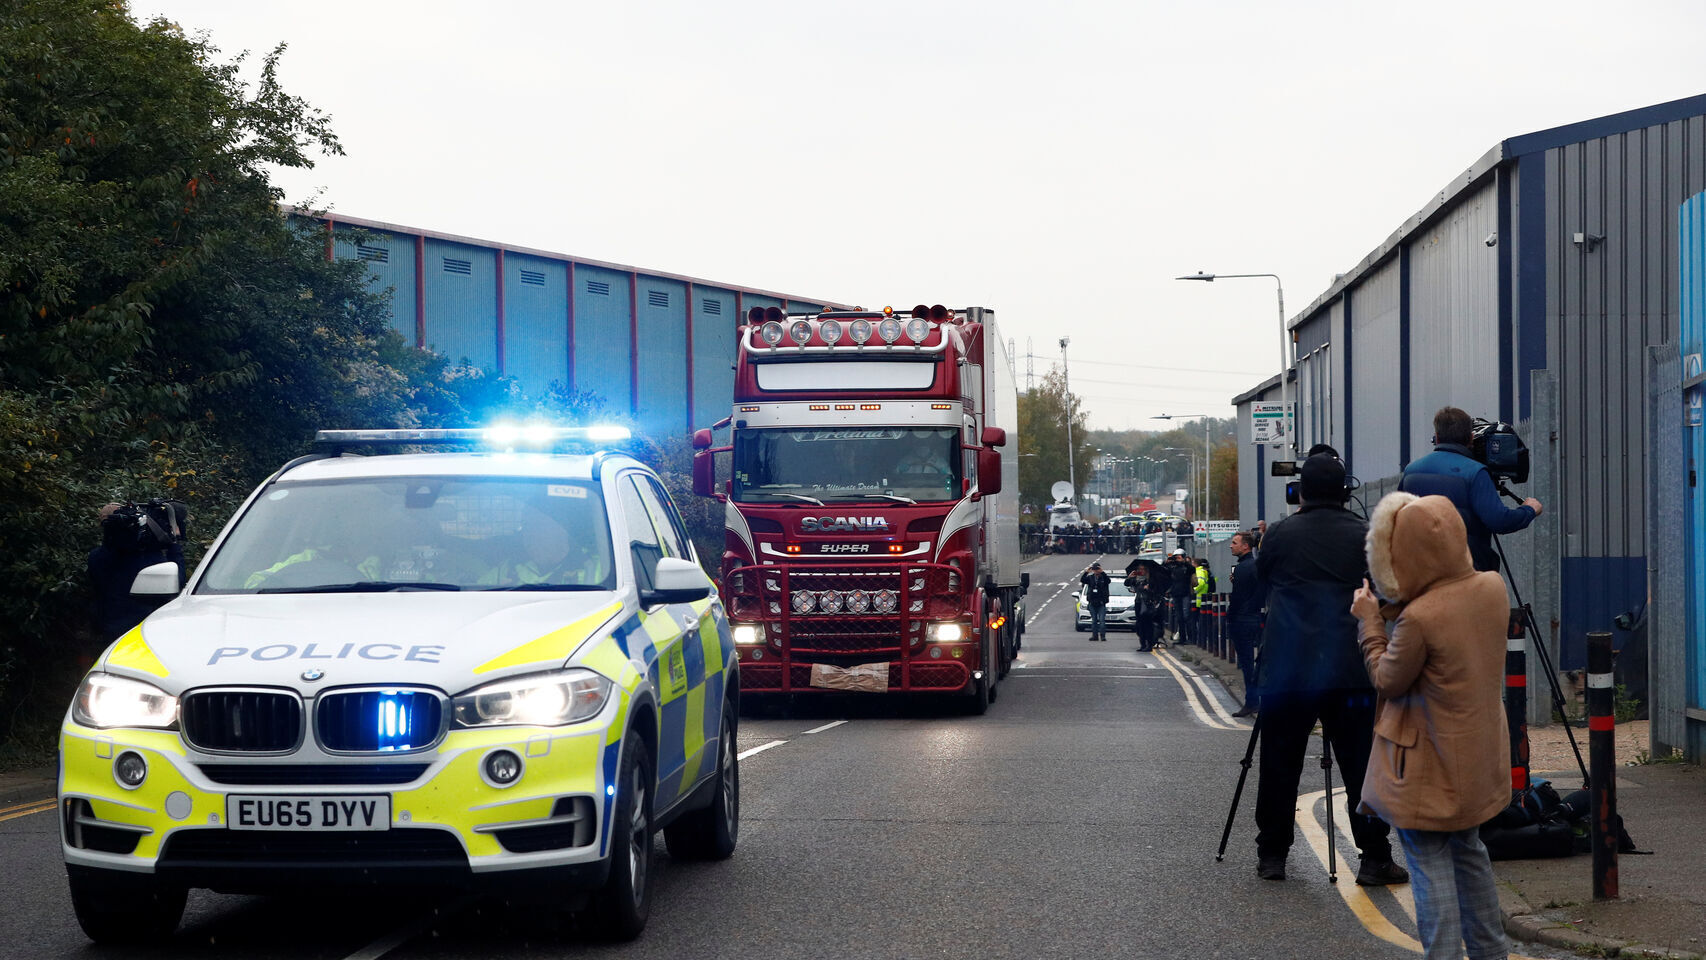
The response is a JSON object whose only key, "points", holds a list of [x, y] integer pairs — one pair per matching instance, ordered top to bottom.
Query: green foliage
{"points": [[164, 328], [1042, 437]]}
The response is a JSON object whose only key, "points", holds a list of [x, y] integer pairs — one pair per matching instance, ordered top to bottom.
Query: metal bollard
{"points": [[1516, 698], [1602, 769]]}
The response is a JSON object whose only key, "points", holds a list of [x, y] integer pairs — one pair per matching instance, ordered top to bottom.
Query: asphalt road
{"points": [[1077, 819]]}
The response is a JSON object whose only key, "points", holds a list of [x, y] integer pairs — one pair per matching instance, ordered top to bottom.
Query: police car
{"points": [[467, 669]]}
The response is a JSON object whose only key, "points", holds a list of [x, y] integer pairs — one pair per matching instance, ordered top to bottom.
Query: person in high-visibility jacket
{"points": [[1199, 594]]}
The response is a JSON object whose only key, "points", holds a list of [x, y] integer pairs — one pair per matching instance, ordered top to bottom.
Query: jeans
{"points": [[1098, 619], [1347, 720], [1457, 905]]}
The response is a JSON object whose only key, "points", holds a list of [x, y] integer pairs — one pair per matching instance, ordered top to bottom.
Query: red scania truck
{"points": [[872, 523]]}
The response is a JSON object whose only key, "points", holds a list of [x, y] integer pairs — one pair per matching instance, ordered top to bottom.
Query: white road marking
{"points": [[1096, 676], [1227, 722], [828, 726], [759, 749]]}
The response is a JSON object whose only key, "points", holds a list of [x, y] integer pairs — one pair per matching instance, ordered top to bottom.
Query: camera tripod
{"points": [[1533, 631], [1237, 794]]}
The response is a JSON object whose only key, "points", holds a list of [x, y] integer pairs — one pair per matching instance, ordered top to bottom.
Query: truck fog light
{"points": [[946, 632], [747, 633], [935, 653], [502, 767], [130, 770]]}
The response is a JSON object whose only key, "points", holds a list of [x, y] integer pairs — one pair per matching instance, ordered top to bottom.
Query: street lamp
{"points": [[1285, 340], [1066, 401], [1207, 452], [1193, 455]]}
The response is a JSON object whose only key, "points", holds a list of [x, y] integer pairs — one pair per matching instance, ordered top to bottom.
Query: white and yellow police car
{"points": [[467, 669]]}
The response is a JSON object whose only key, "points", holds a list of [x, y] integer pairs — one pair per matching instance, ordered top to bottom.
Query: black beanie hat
{"points": [[1323, 479]]}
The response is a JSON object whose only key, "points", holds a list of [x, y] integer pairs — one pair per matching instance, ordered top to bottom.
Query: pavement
{"points": [[1661, 910]]}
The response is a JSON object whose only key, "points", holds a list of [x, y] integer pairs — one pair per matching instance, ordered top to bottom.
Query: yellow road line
{"points": [[1190, 693], [25, 809], [1367, 912]]}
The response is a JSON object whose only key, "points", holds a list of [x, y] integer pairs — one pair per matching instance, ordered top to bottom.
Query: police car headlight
{"points": [[105, 700], [547, 700]]}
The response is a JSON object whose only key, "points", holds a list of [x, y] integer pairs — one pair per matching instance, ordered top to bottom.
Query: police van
{"points": [[496, 669]]}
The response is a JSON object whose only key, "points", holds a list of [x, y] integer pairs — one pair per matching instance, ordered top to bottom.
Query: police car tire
{"points": [[711, 833], [124, 910], [618, 910]]}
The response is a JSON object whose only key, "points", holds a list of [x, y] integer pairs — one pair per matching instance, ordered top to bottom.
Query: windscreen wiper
{"points": [[795, 496], [889, 496], [364, 586], [565, 587]]}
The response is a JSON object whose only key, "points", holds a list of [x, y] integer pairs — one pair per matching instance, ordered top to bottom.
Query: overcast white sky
{"points": [[1059, 162]]}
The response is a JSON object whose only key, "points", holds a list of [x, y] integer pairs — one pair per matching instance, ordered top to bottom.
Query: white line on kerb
{"points": [[828, 726], [759, 749]]}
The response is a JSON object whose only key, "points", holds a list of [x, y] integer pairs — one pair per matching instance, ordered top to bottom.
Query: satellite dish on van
{"points": [[1060, 491]]}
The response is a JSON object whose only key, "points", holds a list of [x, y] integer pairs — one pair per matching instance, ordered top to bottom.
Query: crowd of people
{"points": [[1124, 537]]}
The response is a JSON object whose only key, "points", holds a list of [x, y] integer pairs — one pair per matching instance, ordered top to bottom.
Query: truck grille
{"points": [[841, 610], [242, 721], [379, 721]]}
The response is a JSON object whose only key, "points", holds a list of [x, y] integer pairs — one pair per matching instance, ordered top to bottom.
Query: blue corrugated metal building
{"points": [[1527, 290], [656, 345]]}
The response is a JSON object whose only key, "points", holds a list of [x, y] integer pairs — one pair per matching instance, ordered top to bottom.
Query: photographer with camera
{"points": [[1453, 472], [133, 538], [1310, 564]]}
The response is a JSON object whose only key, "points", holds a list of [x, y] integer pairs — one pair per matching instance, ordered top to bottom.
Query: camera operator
{"points": [[1452, 472], [1311, 563], [114, 564]]}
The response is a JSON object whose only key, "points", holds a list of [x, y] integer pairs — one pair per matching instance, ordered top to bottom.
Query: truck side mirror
{"points": [[994, 437], [702, 439], [704, 468], [988, 470]]}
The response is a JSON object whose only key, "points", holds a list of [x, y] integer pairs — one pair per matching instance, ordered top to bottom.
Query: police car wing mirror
{"points": [[988, 469], [158, 580], [677, 581]]}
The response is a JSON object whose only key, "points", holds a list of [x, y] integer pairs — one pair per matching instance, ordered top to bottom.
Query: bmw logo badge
{"points": [[311, 675]]}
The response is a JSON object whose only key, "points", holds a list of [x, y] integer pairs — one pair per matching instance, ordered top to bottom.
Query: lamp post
{"points": [[1285, 340], [1066, 401], [1207, 453], [1193, 456]]}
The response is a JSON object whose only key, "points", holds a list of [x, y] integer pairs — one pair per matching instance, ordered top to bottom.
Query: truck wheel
{"points": [[977, 701], [710, 833], [124, 909], [618, 910]]}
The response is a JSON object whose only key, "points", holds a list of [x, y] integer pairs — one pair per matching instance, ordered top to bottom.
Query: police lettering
{"points": [[419, 653]]}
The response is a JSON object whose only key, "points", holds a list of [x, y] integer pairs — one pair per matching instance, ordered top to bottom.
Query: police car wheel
{"points": [[711, 833], [124, 910], [618, 910]]}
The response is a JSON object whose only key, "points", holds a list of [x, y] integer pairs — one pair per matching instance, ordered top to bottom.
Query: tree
{"points": [[164, 328], [1043, 412]]}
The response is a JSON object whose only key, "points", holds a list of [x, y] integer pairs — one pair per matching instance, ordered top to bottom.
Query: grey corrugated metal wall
{"points": [[1607, 299], [1454, 310], [1373, 359]]}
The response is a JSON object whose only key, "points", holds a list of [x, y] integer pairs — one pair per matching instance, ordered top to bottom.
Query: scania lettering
{"points": [[871, 521]]}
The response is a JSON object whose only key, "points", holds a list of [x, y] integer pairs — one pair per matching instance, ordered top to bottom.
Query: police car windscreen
{"points": [[847, 463], [424, 533]]}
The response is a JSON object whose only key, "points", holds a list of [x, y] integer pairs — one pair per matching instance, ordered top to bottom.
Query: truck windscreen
{"points": [[825, 464]]}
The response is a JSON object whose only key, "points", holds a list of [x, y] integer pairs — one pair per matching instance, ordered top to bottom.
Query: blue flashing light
{"points": [[392, 720]]}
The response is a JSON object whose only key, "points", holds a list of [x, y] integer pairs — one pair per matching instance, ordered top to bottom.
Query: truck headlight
{"points": [[945, 632], [747, 633], [106, 700], [544, 700]]}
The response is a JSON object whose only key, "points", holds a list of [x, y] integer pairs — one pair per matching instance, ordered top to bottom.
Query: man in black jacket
{"points": [[1311, 563], [1184, 577], [1148, 583], [1096, 600], [1244, 615]]}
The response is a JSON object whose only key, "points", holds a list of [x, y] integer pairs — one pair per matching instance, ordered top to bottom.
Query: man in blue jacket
{"points": [[1451, 471]]}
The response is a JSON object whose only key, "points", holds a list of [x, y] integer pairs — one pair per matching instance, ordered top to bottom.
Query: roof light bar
{"points": [[502, 435]]}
